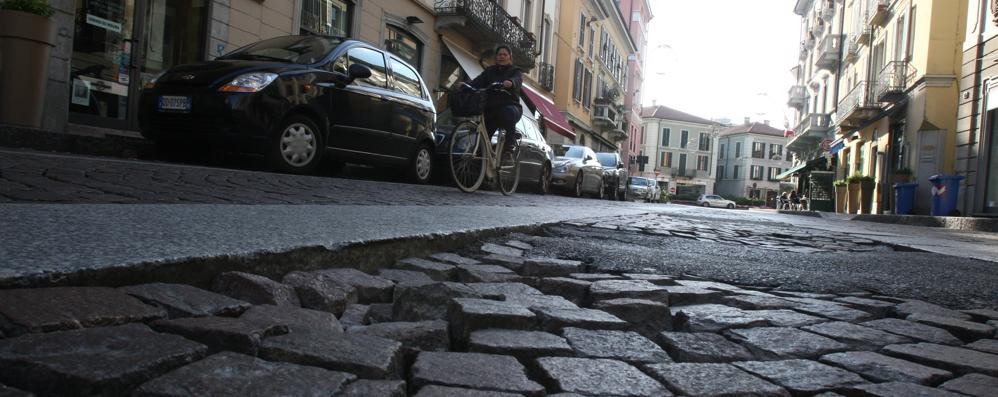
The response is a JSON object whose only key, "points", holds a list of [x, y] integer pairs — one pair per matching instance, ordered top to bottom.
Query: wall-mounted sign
{"points": [[103, 23]]}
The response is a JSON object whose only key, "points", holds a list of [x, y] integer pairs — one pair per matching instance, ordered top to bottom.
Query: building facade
{"points": [[637, 14], [593, 44], [898, 92], [977, 116], [681, 151], [750, 159]]}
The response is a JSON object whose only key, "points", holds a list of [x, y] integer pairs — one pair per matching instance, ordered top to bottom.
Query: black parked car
{"points": [[297, 99], [536, 155], [614, 175]]}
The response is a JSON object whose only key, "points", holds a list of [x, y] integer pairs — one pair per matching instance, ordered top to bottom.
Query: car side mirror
{"points": [[358, 71], [620, 166]]}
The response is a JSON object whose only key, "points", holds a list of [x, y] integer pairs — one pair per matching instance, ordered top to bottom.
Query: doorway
{"points": [[120, 45]]}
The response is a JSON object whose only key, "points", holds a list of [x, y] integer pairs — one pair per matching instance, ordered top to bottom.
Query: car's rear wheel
{"points": [[296, 146], [421, 167], [544, 180], [601, 194], [612, 194], [622, 195], [706, 204], [731, 206]]}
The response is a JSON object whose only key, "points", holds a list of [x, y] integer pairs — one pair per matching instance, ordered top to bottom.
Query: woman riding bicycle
{"points": [[502, 107]]}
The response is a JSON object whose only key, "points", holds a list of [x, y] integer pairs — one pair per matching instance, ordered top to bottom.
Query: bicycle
{"points": [[472, 157]]}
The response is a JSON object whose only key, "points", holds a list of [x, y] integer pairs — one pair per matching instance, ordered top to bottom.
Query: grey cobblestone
{"points": [[490, 248], [454, 259], [549, 267], [435, 270], [401, 276], [657, 279], [569, 288], [255, 289], [370, 289], [635, 289], [321, 293], [687, 295], [181, 300], [418, 301], [915, 306], [877, 307], [61, 308], [355, 315], [467, 315], [982, 315], [647, 317], [713, 318], [296, 319], [555, 319], [913, 330], [965, 330], [222, 333], [422, 335], [857, 336], [775, 343], [524, 345], [984, 345], [626, 346], [702, 347], [368, 357], [958, 360], [881, 368], [475, 371], [241, 375], [600, 377], [803, 377], [713, 380], [976, 385], [375, 388], [901, 389], [444, 391]]}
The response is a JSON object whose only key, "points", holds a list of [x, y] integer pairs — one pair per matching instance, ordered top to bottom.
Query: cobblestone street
{"points": [[494, 320]]}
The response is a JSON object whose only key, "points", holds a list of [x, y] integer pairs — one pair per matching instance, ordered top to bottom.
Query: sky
{"points": [[722, 58]]}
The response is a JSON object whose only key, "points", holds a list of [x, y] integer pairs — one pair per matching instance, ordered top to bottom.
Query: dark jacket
{"points": [[498, 73]]}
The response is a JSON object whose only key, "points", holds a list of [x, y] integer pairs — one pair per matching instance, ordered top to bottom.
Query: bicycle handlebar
{"points": [[497, 86]]}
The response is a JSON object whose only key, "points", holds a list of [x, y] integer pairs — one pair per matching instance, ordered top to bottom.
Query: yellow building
{"points": [[593, 45], [898, 95]]}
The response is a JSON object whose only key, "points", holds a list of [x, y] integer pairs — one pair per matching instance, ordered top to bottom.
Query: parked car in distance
{"points": [[299, 100], [536, 156], [577, 171], [614, 175], [641, 188], [713, 200]]}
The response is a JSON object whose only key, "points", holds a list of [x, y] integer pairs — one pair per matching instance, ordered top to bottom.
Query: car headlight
{"points": [[249, 82], [152, 83]]}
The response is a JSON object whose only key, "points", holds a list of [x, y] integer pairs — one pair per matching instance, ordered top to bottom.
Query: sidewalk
{"points": [[949, 222]]}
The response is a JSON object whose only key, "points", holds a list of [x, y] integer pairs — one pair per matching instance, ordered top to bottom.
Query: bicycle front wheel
{"points": [[467, 156], [507, 167]]}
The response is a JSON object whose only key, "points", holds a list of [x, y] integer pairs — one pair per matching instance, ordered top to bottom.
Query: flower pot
{"points": [[25, 42], [841, 195], [866, 195], [853, 205]]}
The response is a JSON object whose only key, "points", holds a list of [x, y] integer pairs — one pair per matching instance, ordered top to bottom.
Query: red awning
{"points": [[553, 119]]}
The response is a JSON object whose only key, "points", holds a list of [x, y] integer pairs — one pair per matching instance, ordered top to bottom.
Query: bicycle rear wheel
{"points": [[467, 156], [507, 167]]}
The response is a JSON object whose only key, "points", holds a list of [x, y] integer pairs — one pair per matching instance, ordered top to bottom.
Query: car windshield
{"points": [[292, 49], [569, 151], [607, 159], [639, 181]]}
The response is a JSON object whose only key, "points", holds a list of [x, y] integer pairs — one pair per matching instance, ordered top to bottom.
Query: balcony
{"points": [[828, 12], [879, 12], [487, 24], [852, 50], [803, 52], [828, 52], [546, 76], [893, 80], [798, 97], [857, 107], [604, 114], [812, 129]]}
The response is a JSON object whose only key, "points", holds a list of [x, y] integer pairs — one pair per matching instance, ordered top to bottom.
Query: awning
{"points": [[467, 61], [553, 119], [836, 146], [786, 174]]}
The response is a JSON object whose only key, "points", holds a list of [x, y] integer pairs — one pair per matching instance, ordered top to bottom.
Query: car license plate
{"points": [[175, 103]]}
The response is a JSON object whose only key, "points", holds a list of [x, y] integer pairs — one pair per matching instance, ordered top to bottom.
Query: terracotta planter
{"points": [[25, 42], [841, 195], [866, 196], [853, 205]]}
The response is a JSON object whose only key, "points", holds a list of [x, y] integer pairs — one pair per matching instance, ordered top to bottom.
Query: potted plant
{"points": [[27, 34], [902, 175], [861, 189], [841, 195]]}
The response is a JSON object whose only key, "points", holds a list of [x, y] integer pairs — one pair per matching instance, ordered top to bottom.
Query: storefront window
{"points": [[326, 17], [405, 46], [102, 51]]}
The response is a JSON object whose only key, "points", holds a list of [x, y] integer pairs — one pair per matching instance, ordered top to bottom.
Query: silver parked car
{"points": [[577, 171], [640, 188], [713, 200]]}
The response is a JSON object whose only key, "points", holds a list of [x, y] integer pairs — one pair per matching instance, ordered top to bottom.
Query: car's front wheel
{"points": [[296, 146], [421, 167], [544, 180], [578, 185], [731, 206]]}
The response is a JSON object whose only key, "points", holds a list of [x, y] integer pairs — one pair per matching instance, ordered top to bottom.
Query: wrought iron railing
{"points": [[491, 17], [546, 76], [893, 80], [859, 97], [813, 122]]}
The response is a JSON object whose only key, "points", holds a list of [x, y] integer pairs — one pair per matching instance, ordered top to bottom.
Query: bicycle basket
{"points": [[467, 103]]}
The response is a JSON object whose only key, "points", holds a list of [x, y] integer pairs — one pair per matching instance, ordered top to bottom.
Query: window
{"points": [[528, 9], [326, 17], [582, 30], [911, 33], [592, 38], [405, 46], [373, 60], [580, 73], [406, 79], [587, 89], [644, 134], [666, 135], [684, 139], [704, 142], [738, 150], [758, 150], [775, 152], [720, 154], [668, 159], [861, 159], [703, 162], [734, 171], [720, 172], [756, 172], [773, 173]]}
